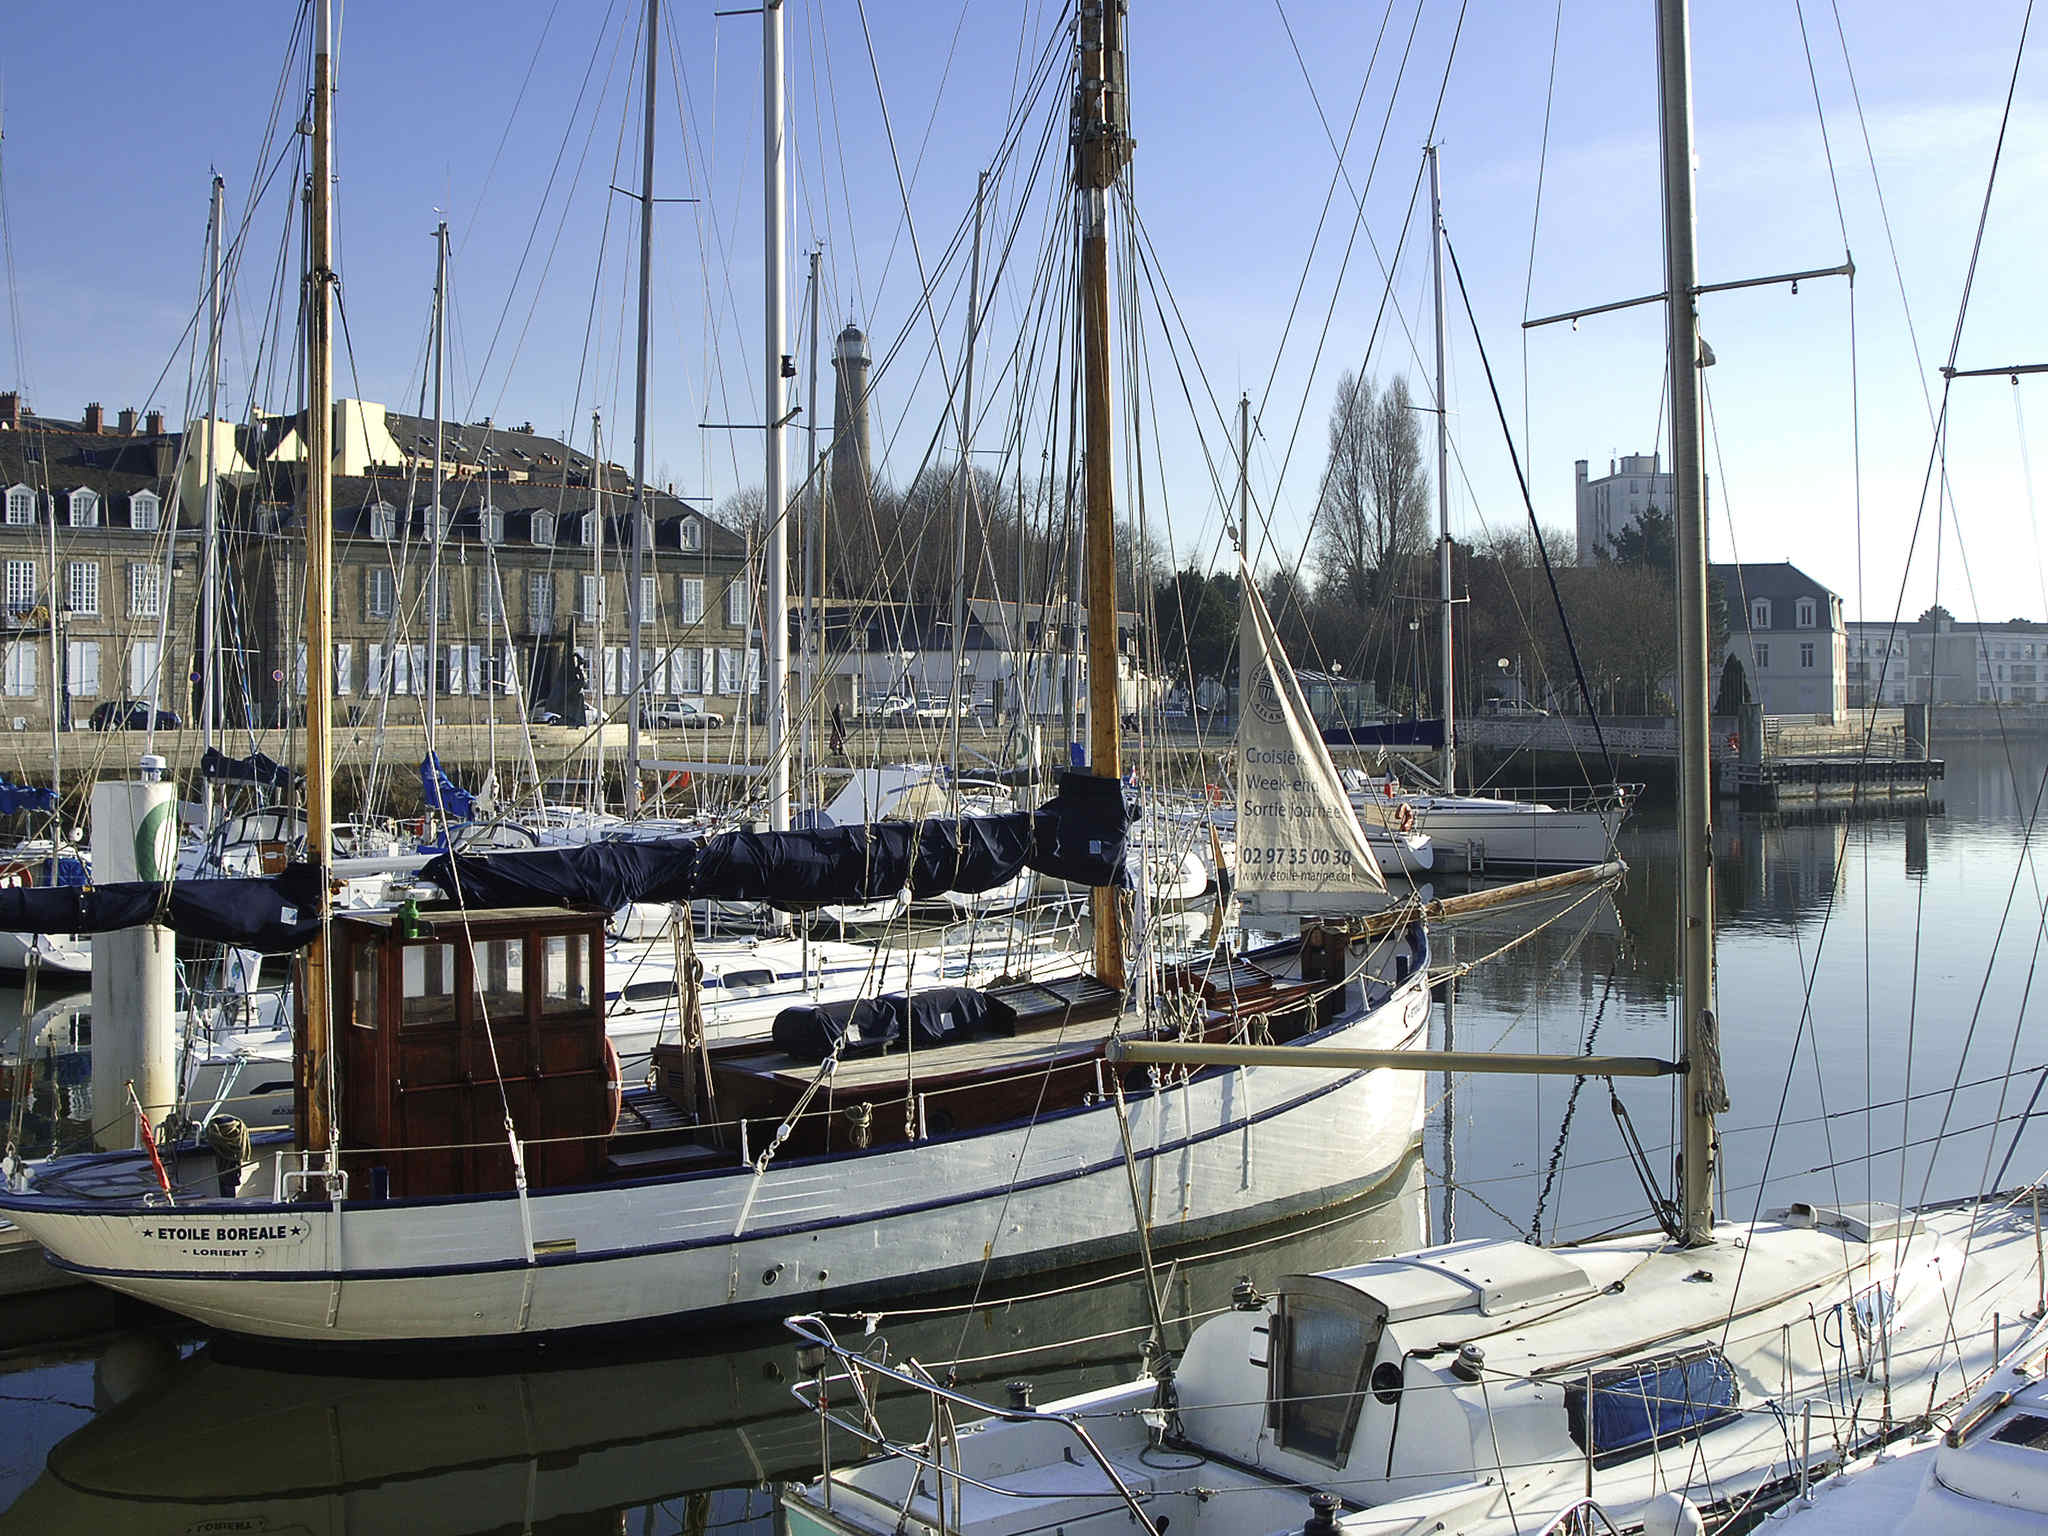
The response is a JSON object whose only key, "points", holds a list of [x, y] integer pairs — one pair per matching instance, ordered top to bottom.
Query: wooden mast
{"points": [[1101, 151], [316, 1127]]}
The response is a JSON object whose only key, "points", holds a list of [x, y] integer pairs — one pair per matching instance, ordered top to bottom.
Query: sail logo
{"points": [[1265, 702]]}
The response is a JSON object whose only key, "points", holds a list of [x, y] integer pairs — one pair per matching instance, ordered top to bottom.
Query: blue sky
{"points": [[112, 127]]}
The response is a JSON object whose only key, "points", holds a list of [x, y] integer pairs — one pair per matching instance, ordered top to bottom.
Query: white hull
{"points": [[1472, 829], [69, 954], [1229, 1150]]}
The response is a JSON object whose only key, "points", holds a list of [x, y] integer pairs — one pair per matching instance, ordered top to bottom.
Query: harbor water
{"points": [[1877, 1012]]}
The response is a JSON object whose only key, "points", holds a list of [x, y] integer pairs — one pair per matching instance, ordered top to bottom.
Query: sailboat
{"points": [[467, 1170], [1686, 1374]]}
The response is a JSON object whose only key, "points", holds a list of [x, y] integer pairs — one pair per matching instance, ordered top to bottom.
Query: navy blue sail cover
{"points": [[253, 769], [437, 789], [20, 797], [1078, 835], [933, 1016], [1635, 1407]]}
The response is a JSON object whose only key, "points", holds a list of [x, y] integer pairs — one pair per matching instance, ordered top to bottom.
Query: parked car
{"points": [[1514, 707], [892, 709], [680, 714], [130, 715]]}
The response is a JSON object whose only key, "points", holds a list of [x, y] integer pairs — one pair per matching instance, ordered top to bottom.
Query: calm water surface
{"points": [[1884, 962]]}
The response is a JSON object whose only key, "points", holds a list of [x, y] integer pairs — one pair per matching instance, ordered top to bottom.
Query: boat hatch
{"points": [[445, 1033], [1872, 1221], [1506, 1275], [1322, 1343], [1653, 1402]]}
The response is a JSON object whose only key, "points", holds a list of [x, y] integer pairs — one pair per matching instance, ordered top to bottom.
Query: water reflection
{"points": [[216, 1441]]}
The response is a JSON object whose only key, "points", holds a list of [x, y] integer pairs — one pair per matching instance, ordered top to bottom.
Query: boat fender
{"points": [[615, 1086], [1672, 1514]]}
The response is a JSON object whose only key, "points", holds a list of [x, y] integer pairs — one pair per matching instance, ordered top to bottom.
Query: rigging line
{"points": [[1821, 118], [505, 134], [924, 143], [1990, 182], [1536, 217], [1542, 546]]}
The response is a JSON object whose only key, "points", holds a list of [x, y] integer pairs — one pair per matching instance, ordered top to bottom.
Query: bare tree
{"points": [[1374, 506]]}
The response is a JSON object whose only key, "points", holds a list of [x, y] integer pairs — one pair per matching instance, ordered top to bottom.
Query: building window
{"points": [[21, 506], [85, 509], [145, 512], [438, 520], [384, 521], [493, 524], [586, 529], [542, 530], [692, 534], [21, 585], [82, 588], [145, 591], [378, 591], [586, 597], [490, 598], [650, 599], [690, 600], [540, 602], [736, 604], [1760, 613], [1805, 613], [1806, 653], [1763, 658], [344, 659], [143, 666], [21, 669], [82, 669], [685, 671]]}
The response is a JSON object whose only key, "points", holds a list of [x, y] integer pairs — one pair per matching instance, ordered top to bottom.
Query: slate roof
{"points": [[1783, 583]]}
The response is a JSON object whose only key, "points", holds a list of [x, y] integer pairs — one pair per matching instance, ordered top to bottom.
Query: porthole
{"points": [[1386, 1382]]}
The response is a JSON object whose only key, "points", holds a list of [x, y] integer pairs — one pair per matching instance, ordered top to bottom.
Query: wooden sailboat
{"points": [[467, 1170], [1495, 1386]]}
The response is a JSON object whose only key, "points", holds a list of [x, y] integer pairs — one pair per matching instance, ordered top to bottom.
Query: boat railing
{"points": [[1603, 798], [864, 1375], [1585, 1518]]}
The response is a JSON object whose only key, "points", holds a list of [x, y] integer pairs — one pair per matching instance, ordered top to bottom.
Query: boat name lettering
{"points": [[288, 1231]]}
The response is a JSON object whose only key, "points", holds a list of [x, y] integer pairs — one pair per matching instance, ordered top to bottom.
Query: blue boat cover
{"points": [[253, 769], [437, 789], [20, 797], [1078, 835], [933, 1016], [1656, 1402]]}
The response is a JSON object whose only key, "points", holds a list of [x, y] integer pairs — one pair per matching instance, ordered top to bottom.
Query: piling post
{"points": [[134, 837]]}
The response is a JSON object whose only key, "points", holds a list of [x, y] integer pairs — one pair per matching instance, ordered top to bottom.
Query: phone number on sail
{"points": [[1288, 858]]}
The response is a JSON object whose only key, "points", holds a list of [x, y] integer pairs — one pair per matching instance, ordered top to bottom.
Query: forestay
{"points": [[1300, 849]]}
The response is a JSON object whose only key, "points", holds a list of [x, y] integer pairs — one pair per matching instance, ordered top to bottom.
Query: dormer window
{"points": [[21, 507], [84, 509], [145, 512], [437, 520], [384, 521], [493, 524], [587, 529], [646, 531], [543, 532], [693, 534], [1805, 612], [1760, 613]]}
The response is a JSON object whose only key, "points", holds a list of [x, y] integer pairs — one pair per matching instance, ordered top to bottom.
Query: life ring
{"points": [[1406, 819], [615, 1087]]}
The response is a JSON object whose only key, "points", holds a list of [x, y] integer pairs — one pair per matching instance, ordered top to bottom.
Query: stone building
{"points": [[1785, 645]]}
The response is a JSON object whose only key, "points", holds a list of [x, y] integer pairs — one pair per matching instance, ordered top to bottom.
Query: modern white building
{"points": [[1617, 501], [1935, 659]]}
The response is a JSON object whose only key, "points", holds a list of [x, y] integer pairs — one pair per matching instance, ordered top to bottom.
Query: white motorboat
{"points": [[1485, 831]]}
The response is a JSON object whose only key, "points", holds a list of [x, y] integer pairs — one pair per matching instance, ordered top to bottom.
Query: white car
{"points": [[680, 714]]}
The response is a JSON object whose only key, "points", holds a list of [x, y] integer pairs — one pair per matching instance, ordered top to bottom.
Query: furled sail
{"points": [[1300, 850]]}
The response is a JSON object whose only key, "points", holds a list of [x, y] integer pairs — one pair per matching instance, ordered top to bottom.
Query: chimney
{"points": [[10, 411], [95, 417], [127, 421], [153, 423]]}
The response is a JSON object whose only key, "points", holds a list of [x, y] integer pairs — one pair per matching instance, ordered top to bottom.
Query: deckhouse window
{"points": [[1320, 1353], [1636, 1407]]}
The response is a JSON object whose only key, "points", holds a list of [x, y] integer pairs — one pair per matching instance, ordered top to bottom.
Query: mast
{"points": [[1101, 150], [1244, 479], [434, 506], [209, 531], [775, 555], [960, 571], [597, 608], [812, 612], [634, 617], [1449, 770], [1702, 1093], [316, 1126]]}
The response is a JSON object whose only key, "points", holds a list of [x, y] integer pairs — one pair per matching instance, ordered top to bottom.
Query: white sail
{"points": [[1300, 849]]}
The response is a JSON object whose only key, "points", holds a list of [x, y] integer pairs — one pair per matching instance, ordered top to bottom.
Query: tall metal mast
{"points": [[1101, 150], [774, 393], [1244, 479], [434, 513], [209, 525], [960, 571], [598, 605], [634, 616], [810, 617], [1449, 771], [1703, 1092], [316, 1126]]}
